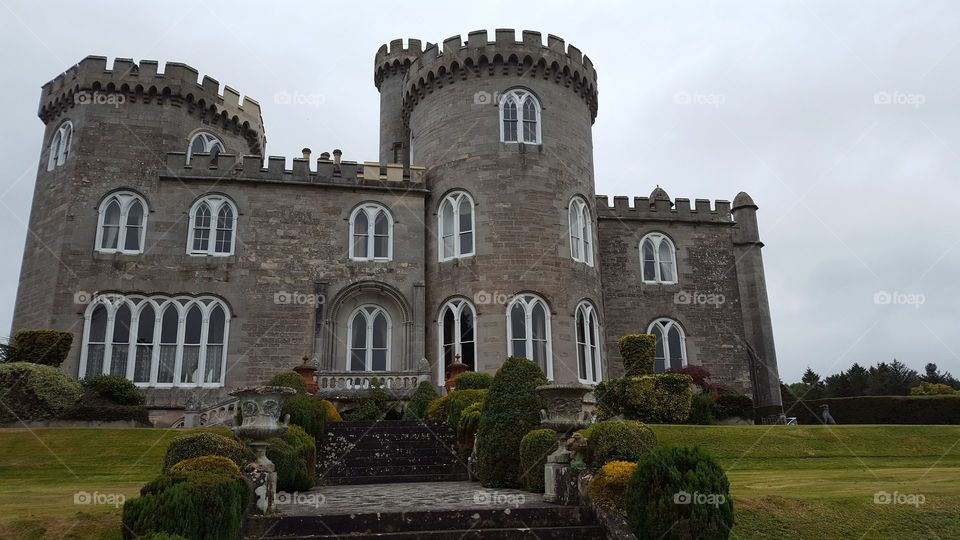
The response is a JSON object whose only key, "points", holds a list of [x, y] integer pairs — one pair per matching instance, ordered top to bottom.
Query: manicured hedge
{"points": [[47, 347], [638, 352], [290, 379], [473, 380], [114, 389], [35, 392], [421, 399], [653, 399], [459, 400], [92, 409], [512, 409], [437, 410], [879, 410], [308, 412], [618, 440], [206, 444], [534, 449], [295, 457], [205, 465]]}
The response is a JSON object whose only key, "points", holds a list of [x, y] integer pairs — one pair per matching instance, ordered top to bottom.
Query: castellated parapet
{"points": [[395, 59], [178, 85], [660, 209]]}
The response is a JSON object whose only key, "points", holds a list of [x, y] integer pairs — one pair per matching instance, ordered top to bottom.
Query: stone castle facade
{"points": [[178, 259]]}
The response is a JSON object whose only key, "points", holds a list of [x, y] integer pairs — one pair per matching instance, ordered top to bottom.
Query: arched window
{"points": [[519, 117], [204, 143], [60, 146], [216, 216], [122, 225], [456, 226], [581, 231], [371, 233], [659, 260], [457, 331], [528, 331], [124, 336], [368, 336], [588, 344], [671, 345]]}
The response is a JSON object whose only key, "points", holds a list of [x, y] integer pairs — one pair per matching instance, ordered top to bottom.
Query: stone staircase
{"points": [[389, 451]]}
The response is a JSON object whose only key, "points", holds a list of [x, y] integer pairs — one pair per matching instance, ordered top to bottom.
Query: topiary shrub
{"points": [[46, 347], [638, 352], [290, 379], [473, 380], [114, 389], [35, 392], [421, 399], [654, 399], [459, 400], [732, 404], [372, 405], [512, 408], [702, 409], [437, 410], [308, 412], [331, 414], [467, 427], [617, 440], [206, 444], [535, 446], [292, 458], [205, 465], [609, 486], [679, 493], [192, 505]]}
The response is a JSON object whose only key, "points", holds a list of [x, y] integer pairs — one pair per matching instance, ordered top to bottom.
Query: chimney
{"points": [[306, 153], [325, 156], [336, 156]]}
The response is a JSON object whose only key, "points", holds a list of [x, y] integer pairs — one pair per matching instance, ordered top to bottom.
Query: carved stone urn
{"points": [[260, 410], [564, 414]]}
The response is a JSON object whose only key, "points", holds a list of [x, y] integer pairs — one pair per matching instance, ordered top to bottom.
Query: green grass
{"points": [[787, 481], [819, 481]]}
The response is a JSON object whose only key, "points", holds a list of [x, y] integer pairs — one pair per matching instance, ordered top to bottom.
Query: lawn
{"points": [[787, 481]]}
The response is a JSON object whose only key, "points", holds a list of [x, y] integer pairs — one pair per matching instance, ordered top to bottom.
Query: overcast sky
{"points": [[840, 119]]}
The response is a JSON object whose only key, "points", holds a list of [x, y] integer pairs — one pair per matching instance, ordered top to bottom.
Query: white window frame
{"points": [[520, 96], [210, 141], [59, 148], [125, 199], [455, 199], [215, 203], [371, 210], [581, 231], [656, 239], [529, 301], [112, 302], [457, 306], [665, 324], [368, 345], [593, 365]]}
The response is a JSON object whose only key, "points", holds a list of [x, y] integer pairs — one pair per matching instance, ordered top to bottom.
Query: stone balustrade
{"points": [[346, 384]]}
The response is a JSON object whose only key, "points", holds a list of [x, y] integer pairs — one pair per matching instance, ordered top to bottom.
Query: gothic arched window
{"points": [[519, 117], [204, 143], [59, 147], [122, 224], [213, 226], [456, 226], [581, 231], [371, 233], [658, 258], [457, 331], [528, 331], [368, 338], [588, 344], [671, 345]]}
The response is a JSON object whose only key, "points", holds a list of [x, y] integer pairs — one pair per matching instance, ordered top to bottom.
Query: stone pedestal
{"points": [[260, 408]]}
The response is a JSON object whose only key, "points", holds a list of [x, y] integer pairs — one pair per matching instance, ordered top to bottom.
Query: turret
{"points": [[390, 66]]}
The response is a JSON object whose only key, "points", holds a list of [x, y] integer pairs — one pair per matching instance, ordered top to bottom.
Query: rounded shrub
{"points": [[46, 347], [638, 352], [290, 379], [473, 380], [114, 389], [35, 392], [422, 396], [656, 399], [459, 400], [512, 408], [437, 410], [308, 412], [331, 414], [467, 427], [618, 440], [304, 443], [206, 444], [534, 449], [205, 465], [292, 473], [609, 486], [679, 493]]}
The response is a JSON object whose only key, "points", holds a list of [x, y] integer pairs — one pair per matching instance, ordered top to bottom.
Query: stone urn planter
{"points": [[309, 374], [260, 409], [564, 414]]}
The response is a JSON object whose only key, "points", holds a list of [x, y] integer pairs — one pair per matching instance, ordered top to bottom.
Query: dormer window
{"points": [[519, 117]]}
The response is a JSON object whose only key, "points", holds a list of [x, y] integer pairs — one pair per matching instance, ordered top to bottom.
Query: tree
{"points": [[933, 375], [893, 379], [813, 386]]}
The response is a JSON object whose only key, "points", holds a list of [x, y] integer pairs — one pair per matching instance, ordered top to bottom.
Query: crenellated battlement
{"points": [[459, 58], [395, 59], [145, 83], [229, 167], [663, 209]]}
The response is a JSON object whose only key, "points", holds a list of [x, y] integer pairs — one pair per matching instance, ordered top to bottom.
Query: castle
{"points": [[180, 261]]}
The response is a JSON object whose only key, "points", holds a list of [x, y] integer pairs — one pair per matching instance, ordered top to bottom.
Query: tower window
{"points": [[519, 117], [204, 143], [60, 146], [122, 224], [456, 226], [213, 227], [581, 231], [371, 233], [658, 258], [528, 331], [457, 334], [588, 344], [671, 345]]}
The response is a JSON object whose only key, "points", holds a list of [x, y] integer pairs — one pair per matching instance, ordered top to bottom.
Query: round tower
{"points": [[389, 68], [508, 123]]}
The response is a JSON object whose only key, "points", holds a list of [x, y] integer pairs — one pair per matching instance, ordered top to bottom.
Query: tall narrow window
{"points": [[519, 117], [204, 143], [59, 148], [212, 215], [122, 224], [456, 226], [581, 231], [371, 233], [658, 259], [457, 331], [528, 331], [368, 334], [169, 338], [96, 340], [216, 341], [671, 345], [588, 346], [120, 348], [145, 348], [190, 362]]}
